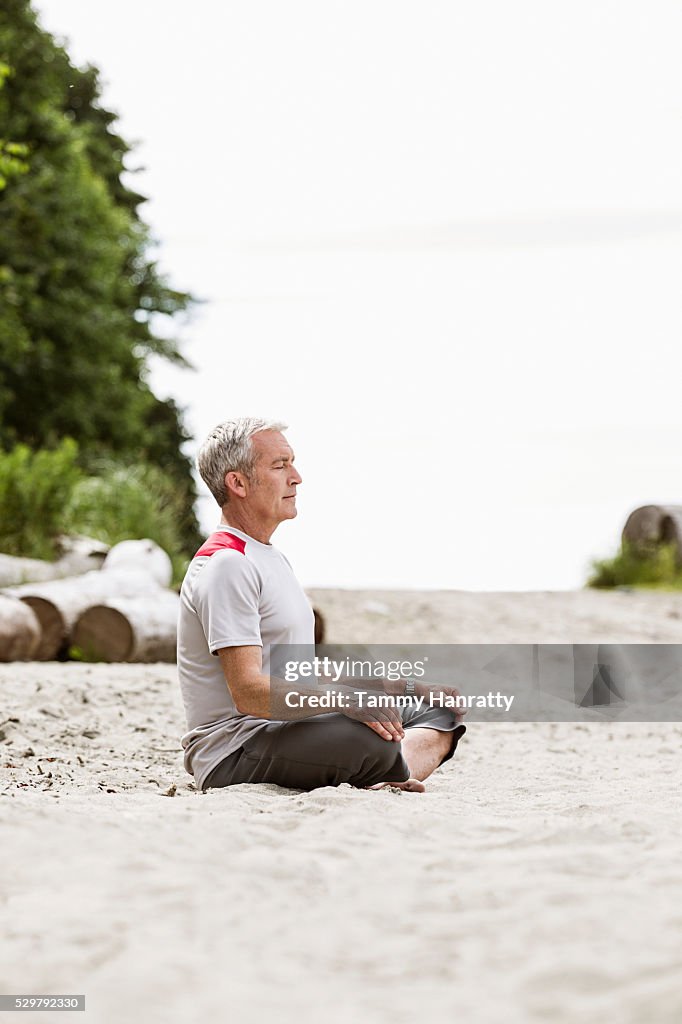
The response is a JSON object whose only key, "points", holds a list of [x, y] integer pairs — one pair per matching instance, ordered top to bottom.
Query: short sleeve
{"points": [[226, 598]]}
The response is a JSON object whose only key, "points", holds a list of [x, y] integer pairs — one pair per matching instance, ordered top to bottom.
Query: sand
{"points": [[539, 878]]}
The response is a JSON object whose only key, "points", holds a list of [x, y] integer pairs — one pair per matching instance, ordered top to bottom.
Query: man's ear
{"points": [[235, 483]]}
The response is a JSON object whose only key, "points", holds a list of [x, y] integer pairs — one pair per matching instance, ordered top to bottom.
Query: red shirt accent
{"points": [[219, 540]]}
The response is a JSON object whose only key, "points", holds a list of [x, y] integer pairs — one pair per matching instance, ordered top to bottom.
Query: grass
{"points": [[649, 566]]}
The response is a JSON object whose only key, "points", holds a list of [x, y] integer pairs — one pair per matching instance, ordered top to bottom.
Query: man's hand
{"points": [[385, 722]]}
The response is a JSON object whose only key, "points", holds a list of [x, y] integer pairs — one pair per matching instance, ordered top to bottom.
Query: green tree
{"points": [[12, 154], [79, 291]]}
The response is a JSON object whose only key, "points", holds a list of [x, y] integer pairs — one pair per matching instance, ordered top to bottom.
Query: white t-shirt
{"points": [[236, 597]]}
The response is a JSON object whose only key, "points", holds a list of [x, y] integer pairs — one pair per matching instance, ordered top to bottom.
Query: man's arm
{"points": [[263, 696]]}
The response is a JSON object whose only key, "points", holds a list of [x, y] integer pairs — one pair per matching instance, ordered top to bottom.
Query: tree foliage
{"points": [[12, 154], [79, 291]]}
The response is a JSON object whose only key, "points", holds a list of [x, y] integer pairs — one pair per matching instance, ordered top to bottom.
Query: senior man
{"points": [[239, 598]]}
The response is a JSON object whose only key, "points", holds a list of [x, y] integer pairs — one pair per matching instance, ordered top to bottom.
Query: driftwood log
{"points": [[655, 524], [78, 555], [140, 556], [319, 627], [130, 628], [140, 629], [19, 630]]}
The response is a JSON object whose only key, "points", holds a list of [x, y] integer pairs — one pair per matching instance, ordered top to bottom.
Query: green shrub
{"points": [[35, 489], [129, 502], [652, 565]]}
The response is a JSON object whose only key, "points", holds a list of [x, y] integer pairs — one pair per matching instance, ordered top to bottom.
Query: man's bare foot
{"points": [[411, 786]]}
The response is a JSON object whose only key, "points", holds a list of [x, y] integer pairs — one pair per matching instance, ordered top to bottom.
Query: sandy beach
{"points": [[539, 878]]}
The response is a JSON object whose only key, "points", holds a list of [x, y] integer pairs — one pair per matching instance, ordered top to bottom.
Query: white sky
{"points": [[443, 241]]}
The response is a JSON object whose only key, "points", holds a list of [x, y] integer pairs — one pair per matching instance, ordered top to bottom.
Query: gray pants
{"points": [[327, 751]]}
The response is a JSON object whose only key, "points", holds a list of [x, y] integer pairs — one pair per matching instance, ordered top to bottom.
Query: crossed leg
{"points": [[334, 749], [424, 750]]}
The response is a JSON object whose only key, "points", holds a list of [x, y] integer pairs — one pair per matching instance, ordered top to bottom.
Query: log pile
{"points": [[76, 555], [130, 614]]}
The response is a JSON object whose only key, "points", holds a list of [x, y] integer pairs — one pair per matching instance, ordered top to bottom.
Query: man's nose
{"points": [[296, 477]]}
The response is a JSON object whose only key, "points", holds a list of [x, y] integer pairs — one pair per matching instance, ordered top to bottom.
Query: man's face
{"points": [[271, 491]]}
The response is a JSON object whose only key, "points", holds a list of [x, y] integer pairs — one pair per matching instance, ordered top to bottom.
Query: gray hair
{"points": [[228, 449]]}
